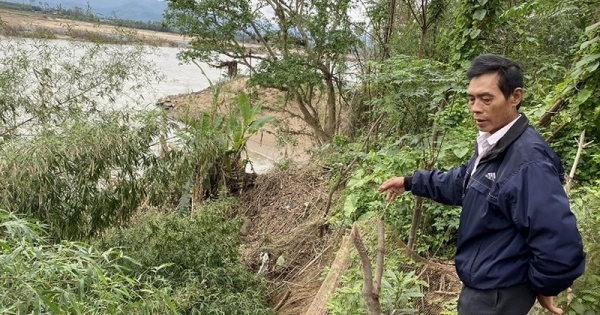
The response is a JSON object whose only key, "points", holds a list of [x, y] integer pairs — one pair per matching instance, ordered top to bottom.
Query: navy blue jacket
{"points": [[516, 225]]}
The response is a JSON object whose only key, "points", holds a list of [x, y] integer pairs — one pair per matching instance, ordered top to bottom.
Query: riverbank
{"points": [[43, 25], [274, 143], [266, 148]]}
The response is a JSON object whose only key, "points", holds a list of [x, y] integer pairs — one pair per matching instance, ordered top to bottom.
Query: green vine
{"points": [[475, 21], [581, 87], [575, 107]]}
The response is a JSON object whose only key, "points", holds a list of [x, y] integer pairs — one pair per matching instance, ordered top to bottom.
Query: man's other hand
{"points": [[394, 186], [547, 303]]}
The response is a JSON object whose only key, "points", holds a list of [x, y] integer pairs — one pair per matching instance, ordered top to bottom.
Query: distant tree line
{"points": [[19, 6]]}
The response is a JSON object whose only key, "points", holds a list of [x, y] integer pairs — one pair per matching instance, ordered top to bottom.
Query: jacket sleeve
{"points": [[443, 187], [540, 209]]}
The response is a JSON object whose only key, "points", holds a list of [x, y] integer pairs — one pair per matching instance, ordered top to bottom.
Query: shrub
{"points": [[202, 250], [68, 278]]}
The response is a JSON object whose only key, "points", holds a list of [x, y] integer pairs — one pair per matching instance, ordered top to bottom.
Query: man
{"points": [[517, 238]]}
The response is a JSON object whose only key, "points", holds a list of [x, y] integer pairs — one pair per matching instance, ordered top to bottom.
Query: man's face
{"points": [[488, 105]]}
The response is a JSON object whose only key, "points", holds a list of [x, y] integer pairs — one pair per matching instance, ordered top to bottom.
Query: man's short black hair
{"points": [[510, 74]]}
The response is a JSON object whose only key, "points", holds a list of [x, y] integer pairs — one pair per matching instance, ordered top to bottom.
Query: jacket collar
{"points": [[511, 135]]}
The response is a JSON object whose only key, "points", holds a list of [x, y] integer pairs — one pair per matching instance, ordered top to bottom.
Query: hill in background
{"points": [[136, 10]]}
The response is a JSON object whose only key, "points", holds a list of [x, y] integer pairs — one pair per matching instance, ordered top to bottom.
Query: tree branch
{"points": [[263, 40], [545, 119], [556, 131], [580, 146], [349, 166], [414, 225], [380, 256], [371, 300]]}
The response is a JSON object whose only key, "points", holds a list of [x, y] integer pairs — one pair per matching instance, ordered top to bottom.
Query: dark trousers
{"points": [[516, 300]]}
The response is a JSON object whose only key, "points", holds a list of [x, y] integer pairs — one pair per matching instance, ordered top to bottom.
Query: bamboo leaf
{"points": [[48, 302]]}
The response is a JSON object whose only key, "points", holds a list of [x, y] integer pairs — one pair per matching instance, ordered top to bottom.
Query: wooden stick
{"points": [[545, 119], [580, 146], [569, 179], [313, 260], [283, 300]]}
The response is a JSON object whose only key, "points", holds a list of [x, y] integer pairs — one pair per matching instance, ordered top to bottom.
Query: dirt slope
{"points": [[283, 219], [283, 233]]}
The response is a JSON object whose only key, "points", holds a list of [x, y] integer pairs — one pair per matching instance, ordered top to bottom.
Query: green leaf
{"points": [[482, 2], [480, 14], [592, 27], [474, 33], [588, 43], [587, 59], [592, 66], [582, 96], [245, 109], [259, 123], [460, 153], [356, 178], [358, 182], [186, 197], [350, 205], [367, 215], [280, 261], [165, 265], [589, 298], [47, 302], [578, 307]]}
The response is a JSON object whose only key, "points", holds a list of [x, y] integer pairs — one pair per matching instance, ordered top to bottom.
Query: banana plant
{"points": [[250, 124], [217, 142]]}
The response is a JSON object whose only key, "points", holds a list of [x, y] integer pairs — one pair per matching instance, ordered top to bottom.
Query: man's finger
{"points": [[388, 184], [385, 186], [390, 196], [547, 303], [554, 309]]}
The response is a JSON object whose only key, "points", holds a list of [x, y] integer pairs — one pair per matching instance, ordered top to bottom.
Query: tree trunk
{"points": [[424, 25], [389, 30], [420, 52], [310, 119], [331, 119], [414, 225]]}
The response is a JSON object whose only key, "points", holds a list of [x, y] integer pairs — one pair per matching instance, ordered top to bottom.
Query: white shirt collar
{"points": [[492, 139]]}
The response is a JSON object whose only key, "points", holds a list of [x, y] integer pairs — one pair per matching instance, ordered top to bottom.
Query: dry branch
{"points": [[545, 119], [556, 131], [580, 146], [414, 225], [380, 256], [368, 293], [283, 300]]}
